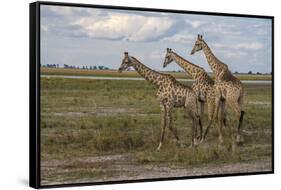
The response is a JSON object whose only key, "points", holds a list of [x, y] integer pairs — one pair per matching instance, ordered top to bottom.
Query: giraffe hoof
{"points": [[202, 140], [159, 147]]}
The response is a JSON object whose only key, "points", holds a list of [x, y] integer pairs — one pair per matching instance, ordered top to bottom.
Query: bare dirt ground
{"points": [[125, 167]]}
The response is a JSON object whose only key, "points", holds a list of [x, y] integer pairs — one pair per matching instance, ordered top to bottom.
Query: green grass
{"points": [[115, 73], [85, 118]]}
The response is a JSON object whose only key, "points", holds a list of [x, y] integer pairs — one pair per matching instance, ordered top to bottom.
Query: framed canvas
{"points": [[126, 94]]}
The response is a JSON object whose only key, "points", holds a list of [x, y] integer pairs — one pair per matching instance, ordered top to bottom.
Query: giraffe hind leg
{"points": [[211, 106], [191, 109], [223, 111], [218, 117], [221, 122], [170, 125], [163, 126], [236, 134], [238, 138]]}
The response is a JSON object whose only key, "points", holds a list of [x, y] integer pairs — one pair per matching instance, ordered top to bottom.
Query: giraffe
{"points": [[203, 86], [227, 86], [170, 94]]}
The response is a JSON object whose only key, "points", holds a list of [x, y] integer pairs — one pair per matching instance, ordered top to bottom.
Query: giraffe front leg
{"points": [[217, 107], [211, 108], [191, 112], [223, 112], [239, 117], [217, 118], [221, 120], [170, 124], [163, 125], [193, 133]]}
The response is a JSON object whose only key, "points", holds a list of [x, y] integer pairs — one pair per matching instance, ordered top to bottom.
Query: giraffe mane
{"points": [[188, 61], [149, 67]]}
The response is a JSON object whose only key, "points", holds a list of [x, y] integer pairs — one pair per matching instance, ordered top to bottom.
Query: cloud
{"points": [[67, 11], [195, 23], [107, 24], [127, 27], [44, 28], [221, 29], [180, 38], [235, 40], [243, 45], [249, 46], [157, 54], [236, 54]]}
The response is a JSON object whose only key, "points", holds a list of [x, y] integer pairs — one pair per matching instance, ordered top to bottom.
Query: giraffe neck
{"points": [[213, 61], [190, 68], [147, 73]]}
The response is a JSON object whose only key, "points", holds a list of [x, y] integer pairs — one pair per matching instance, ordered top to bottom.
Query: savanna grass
{"points": [[81, 118]]}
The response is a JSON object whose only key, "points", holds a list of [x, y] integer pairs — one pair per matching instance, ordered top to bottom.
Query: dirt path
{"points": [[125, 167]]}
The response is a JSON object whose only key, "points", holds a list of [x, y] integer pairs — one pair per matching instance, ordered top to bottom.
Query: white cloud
{"points": [[64, 11], [196, 24], [127, 27], [44, 28], [223, 29], [180, 38], [235, 40], [219, 45], [244, 45], [249, 46], [235, 54], [157, 55]]}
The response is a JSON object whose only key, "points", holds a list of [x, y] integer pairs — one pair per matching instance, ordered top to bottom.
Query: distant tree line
{"points": [[51, 65], [76, 67], [252, 73], [258, 73]]}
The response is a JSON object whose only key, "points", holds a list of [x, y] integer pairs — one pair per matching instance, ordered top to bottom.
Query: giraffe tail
{"points": [[199, 115]]}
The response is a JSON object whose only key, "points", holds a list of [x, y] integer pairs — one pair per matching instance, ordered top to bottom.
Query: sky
{"points": [[90, 36]]}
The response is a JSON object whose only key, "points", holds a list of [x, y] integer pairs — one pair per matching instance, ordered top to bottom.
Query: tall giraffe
{"points": [[203, 86], [227, 86], [171, 93]]}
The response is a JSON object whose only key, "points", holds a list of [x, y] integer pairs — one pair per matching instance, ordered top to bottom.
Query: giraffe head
{"points": [[198, 44], [168, 58], [126, 62]]}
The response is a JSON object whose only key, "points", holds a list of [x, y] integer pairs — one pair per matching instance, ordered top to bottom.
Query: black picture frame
{"points": [[34, 99]]}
